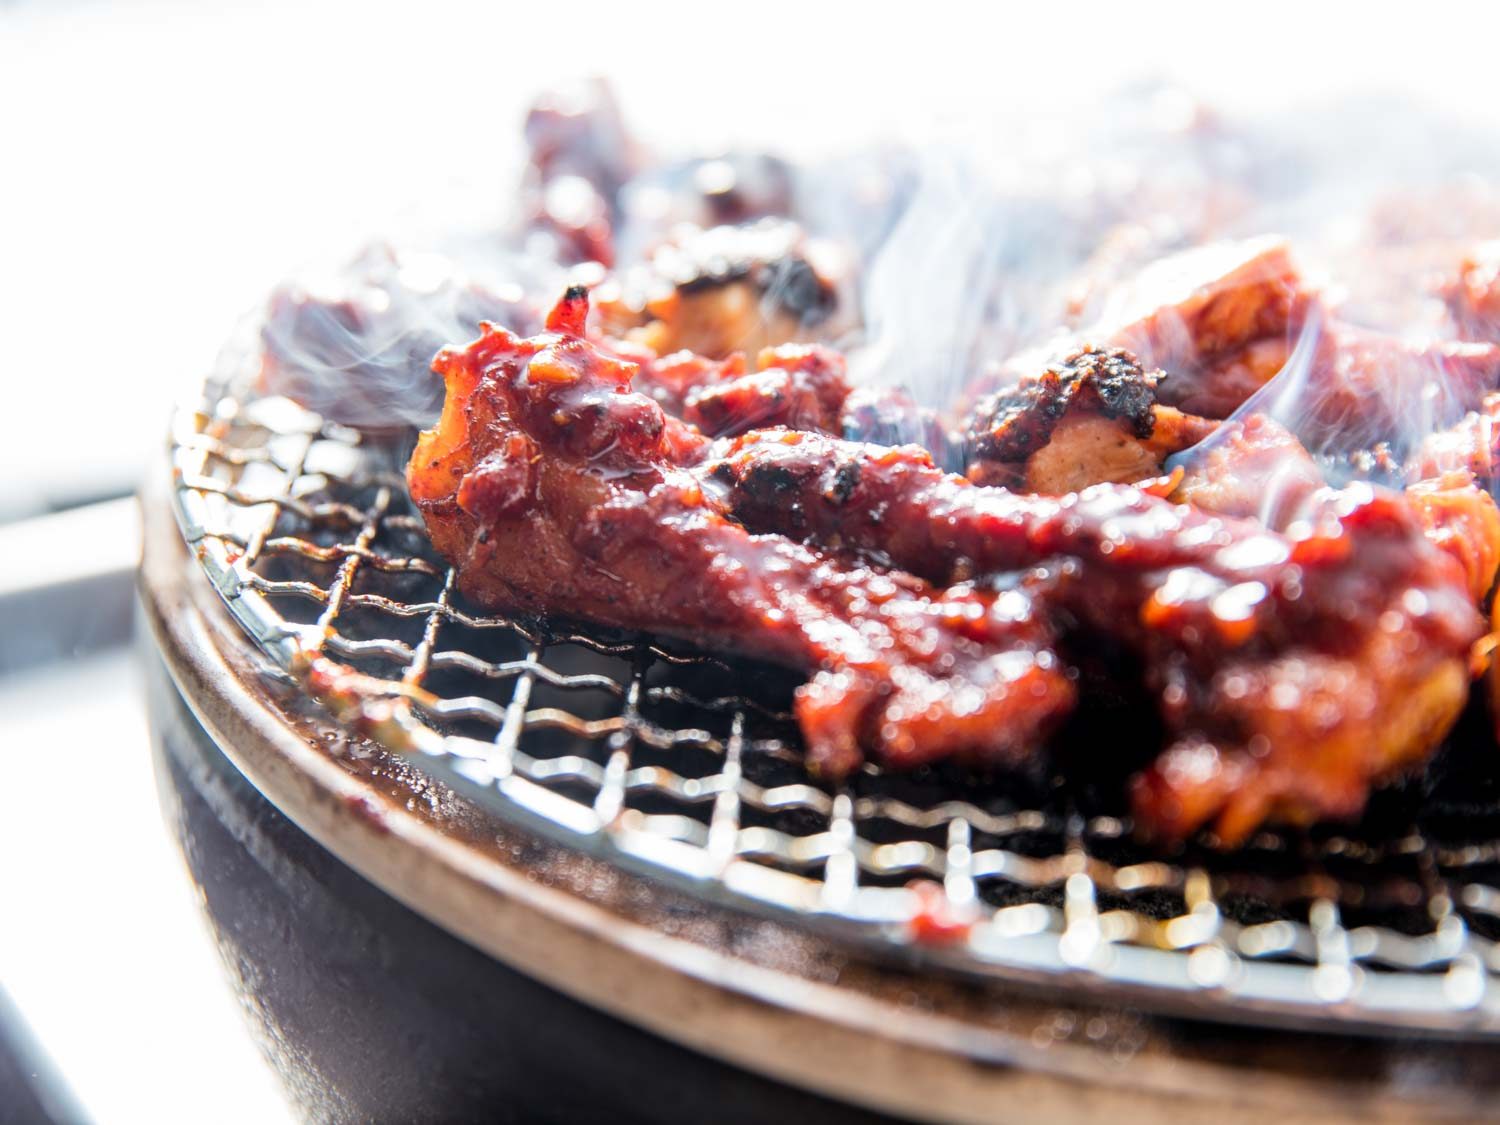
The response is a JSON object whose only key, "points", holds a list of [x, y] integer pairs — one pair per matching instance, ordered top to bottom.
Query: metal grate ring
{"points": [[687, 766]]}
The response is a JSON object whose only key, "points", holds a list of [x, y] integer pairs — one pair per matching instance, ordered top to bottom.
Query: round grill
{"points": [[687, 767]]}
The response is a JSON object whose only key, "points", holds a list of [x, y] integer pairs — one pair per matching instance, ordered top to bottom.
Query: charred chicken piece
{"points": [[723, 290], [1220, 321], [357, 347], [1091, 419], [556, 489], [1293, 670]]}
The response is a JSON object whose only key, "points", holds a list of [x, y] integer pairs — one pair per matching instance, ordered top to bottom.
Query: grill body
{"points": [[686, 767], [370, 1012], [855, 1021]]}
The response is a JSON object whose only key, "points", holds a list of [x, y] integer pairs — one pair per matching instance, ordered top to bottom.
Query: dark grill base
{"points": [[370, 1013]]}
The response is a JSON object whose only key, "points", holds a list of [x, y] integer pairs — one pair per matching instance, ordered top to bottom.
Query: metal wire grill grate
{"points": [[687, 766]]}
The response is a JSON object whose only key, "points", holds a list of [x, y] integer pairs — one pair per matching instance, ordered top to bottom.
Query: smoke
{"points": [[1014, 231], [1021, 236], [978, 245], [946, 288], [356, 343]]}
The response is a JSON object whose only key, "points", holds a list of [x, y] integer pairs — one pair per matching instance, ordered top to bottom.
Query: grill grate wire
{"points": [[686, 766]]}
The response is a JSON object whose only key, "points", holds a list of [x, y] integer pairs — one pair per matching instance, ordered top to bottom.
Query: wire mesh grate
{"points": [[687, 766]]}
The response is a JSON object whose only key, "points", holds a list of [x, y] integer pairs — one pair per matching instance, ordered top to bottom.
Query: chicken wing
{"points": [[556, 489]]}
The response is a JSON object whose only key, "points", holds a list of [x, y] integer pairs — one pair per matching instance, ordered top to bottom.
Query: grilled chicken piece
{"points": [[581, 156], [723, 290], [1217, 319], [1223, 320], [357, 348], [795, 385], [799, 386], [802, 386], [1366, 386], [1091, 419], [1472, 444], [1464, 461], [1258, 469], [1452, 479], [556, 489], [1461, 518], [1293, 670]]}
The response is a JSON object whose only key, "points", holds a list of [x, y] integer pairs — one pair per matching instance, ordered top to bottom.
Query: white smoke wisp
{"points": [[1018, 232], [977, 246], [933, 299], [355, 344]]}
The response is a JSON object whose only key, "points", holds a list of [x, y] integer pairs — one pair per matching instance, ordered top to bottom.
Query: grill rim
{"points": [[1159, 978]]}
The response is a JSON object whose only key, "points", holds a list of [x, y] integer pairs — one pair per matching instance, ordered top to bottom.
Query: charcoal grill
{"points": [[658, 761]]}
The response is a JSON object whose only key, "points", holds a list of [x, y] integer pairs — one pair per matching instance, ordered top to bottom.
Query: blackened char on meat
{"points": [[1013, 423]]}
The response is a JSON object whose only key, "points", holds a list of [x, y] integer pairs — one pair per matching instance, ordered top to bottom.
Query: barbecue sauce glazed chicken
{"points": [[683, 466], [554, 487], [1293, 669]]}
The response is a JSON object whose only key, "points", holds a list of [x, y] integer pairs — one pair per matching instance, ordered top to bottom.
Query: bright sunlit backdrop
{"points": [[165, 163]]}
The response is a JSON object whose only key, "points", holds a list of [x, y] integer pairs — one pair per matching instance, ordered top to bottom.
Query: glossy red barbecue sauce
{"points": [[1292, 670]]}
